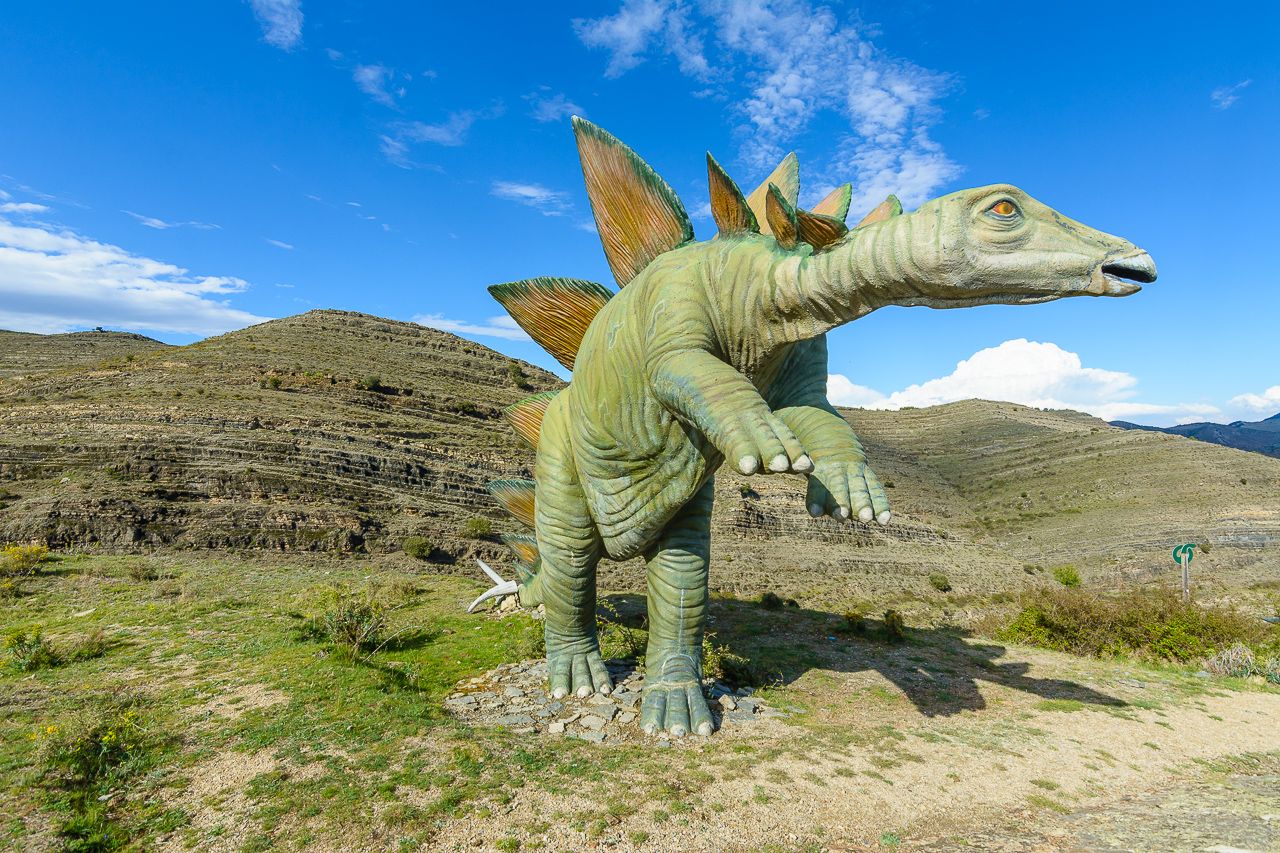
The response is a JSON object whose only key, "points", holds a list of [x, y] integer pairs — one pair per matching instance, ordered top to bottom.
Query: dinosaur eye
{"points": [[1004, 207]]}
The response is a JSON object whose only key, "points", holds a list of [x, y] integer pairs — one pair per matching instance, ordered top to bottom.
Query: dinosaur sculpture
{"points": [[716, 350]]}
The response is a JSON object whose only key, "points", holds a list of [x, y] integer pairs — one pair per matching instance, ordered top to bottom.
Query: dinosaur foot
{"points": [[501, 588], [580, 673], [675, 704]]}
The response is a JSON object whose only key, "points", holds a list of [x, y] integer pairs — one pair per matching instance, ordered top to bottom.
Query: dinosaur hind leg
{"points": [[569, 548], [677, 580]]}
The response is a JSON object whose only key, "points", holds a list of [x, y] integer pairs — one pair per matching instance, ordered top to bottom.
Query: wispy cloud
{"points": [[281, 21], [785, 64], [373, 80], [1224, 96], [546, 106], [451, 133], [546, 201], [22, 206], [160, 224], [279, 244], [54, 280], [494, 327], [1027, 372]]}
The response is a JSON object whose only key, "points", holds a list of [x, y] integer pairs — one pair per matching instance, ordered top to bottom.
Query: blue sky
{"points": [[187, 169]]}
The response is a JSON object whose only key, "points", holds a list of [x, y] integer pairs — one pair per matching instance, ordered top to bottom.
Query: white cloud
{"points": [[281, 21], [334, 55], [798, 62], [372, 80], [1224, 96], [546, 107], [451, 133], [546, 201], [22, 207], [160, 224], [279, 244], [54, 280], [495, 327], [1034, 374], [1267, 403]]}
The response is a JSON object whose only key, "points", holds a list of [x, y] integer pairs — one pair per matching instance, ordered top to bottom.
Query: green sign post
{"points": [[1182, 554]]}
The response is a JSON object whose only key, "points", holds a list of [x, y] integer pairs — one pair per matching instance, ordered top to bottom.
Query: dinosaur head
{"points": [[998, 245]]}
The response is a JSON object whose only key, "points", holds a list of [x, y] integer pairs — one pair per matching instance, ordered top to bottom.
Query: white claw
{"points": [[779, 463], [748, 464], [803, 465], [815, 510], [842, 512], [866, 514], [884, 517], [606, 690], [584, 692], [559, 693], [650, 728], [704, 729], [678, 730]]}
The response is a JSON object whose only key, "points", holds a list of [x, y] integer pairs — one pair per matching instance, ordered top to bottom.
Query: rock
{"points": [[745, 691], [512, 692], [599, 699], [627, 699], [728, 702], [748, 704], [626, 717], [739, 717], [514, 720], [592, 722], [556, 728], [594, 737]]}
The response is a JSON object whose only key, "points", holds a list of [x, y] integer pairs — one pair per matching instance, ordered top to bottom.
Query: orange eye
{"points": [[1004, 208]]}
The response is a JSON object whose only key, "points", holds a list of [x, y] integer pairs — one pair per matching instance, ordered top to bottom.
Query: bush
{"points": [[518, 377], [370, 383], [477, 528], [418, 547], [22, 559], [142, 572], [1067, 575], [939, 581], [10, 589], [770, 601], [351, 620], [854, 623], [1152, 624], [895, 628], [617, 641], [30, 650], [1236, 660], [722, 664], [95, 747]]}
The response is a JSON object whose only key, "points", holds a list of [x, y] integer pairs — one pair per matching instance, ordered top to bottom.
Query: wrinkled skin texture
{"points": [[716, 352]]}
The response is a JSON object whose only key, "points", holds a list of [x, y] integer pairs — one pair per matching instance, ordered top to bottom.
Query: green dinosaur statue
{"points": [[716, 350]]}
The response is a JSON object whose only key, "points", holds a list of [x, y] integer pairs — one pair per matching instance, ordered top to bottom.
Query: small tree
{"points": [[518, 377], [477, 528]]}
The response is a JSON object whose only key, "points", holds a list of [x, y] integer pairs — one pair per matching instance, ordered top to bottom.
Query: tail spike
{"points": [[500, 588]]}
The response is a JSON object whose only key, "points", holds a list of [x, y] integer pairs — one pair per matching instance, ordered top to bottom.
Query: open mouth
{"points": [[1123, 276]]}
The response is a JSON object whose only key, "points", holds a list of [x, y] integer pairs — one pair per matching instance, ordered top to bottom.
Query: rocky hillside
{"points": [[22, 353], [341, 432]]}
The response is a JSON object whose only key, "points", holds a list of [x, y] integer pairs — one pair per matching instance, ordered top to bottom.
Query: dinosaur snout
{"points": [[1124, 275]]}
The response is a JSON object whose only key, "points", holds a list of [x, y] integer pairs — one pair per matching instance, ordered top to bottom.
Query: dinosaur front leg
{"points": [[725, 407], [841, 484], [569, 549], [677, 581]]}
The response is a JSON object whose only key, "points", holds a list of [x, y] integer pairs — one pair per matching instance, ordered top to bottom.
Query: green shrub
{"points": [[518, 377], [274, 382], [370, 383], [477, 528], [418, 547], [1205, 547], [22, 559], [142, 572], [1067, 575], [940, 582], [10, 589], [770, 601], [352, 620], [854, 623], [1153, 624], [894, 627], [617, 641], [90, 646], [30, 650], [1236, 660], [722, 664], [98, 746]]}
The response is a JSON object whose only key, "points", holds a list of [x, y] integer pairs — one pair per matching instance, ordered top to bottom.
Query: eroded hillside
{"points": [[334, 431]]}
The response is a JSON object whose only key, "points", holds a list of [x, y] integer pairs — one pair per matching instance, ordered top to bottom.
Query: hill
{"points": [[21, 352], [340, 432], [1257, 436]]}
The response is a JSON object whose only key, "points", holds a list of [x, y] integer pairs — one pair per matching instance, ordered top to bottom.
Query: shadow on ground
{"points": [[938, 669]]}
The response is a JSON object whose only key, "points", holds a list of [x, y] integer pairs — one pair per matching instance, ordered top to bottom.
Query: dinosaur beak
{"points": [[1124, 275]]}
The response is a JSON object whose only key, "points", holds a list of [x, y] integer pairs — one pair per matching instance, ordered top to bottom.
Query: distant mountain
{"points": [[1257, 436]]}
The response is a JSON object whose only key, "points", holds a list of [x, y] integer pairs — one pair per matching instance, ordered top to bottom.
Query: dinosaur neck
{"points": [[874, 266]]}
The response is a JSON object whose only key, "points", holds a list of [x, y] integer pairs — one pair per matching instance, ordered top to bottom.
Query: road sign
{"points": [[1182, 555]]}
